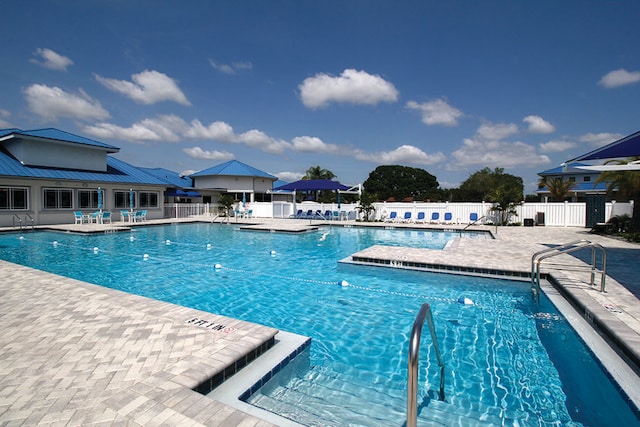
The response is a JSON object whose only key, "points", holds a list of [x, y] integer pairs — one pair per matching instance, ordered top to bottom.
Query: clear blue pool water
{"points": [[507, 360]]}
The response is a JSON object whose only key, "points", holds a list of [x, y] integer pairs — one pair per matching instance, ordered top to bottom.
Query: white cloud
{"points": [[50, 59], [230, 68], [619, 77], [148, 87], [352, 87], [53, 103], [437, 112], [4, 119], [538, 125], [166, 128], [219, 131], [496, 131], [258, 139], [600, 139], [312, 144], [556, 146], [199, 153], [496, 153], [405, 154], [188, 172], [289, 176]]}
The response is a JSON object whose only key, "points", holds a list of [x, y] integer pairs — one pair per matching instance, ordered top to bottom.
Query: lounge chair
{"points": [[249, 213], [297, 214], [309, 214], [327, 215], [336, 215], [106, 216], [125, 216], [140, 216], [79, 217], [94, 217], [392, 217], [407, 217], [473, 217], [435, 218], [448, 218], [420, 219]]}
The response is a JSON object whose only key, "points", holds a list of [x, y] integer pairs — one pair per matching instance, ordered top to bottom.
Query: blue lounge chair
{"points": [[297, 214], [309, 214], [327, 215], [336, 215], [106, 216], [79, 217], [94, 217], [392, 217], [407, 217], [448, 217], [473, 217], [435, 218], [420, 219]]}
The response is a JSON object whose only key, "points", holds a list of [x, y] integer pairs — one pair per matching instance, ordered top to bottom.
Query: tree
{"points": [[316, 172], [402, 182], [483, 184], [627, 185], [558, 187], [505, 198], [225, 204], [366, 208]]}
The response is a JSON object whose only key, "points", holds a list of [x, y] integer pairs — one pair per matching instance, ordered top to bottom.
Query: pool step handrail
{"points": [[17, 219], [31, 220], [473, 223], [538, 257], [414, 352]]}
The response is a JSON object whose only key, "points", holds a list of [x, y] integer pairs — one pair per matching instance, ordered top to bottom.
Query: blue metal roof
{"points": [[58, 135], [234, 168], [566, 170], [117, 171], [171, 178], [581, 187]]}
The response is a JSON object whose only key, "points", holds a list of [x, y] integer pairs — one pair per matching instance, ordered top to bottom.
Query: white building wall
{"points": [[36, 153]]}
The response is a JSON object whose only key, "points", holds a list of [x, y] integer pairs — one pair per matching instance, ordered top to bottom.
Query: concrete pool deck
{"points": [[72, 353]]}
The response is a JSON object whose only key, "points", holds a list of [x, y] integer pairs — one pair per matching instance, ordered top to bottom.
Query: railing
{"points": [[18, 219], [31, 220], [538, 257], [414, 351]]}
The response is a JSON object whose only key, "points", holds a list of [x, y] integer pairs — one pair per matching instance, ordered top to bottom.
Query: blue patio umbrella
{"points": [[131, 198], [100, 199], [244, 199]]}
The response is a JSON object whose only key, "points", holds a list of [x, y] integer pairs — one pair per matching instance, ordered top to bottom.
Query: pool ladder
{"points": [[22, 223], [538, 257], [414, 351]]}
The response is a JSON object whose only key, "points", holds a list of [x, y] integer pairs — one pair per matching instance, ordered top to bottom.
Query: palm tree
{"points": [[316, 172], [627, 185], [558, 187], [366, 207]]}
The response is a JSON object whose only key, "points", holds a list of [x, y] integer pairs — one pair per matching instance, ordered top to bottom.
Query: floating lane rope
{"points": [[219, 267]]}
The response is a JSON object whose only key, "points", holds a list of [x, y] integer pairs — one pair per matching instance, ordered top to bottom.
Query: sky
{"points": [[450, 87]]}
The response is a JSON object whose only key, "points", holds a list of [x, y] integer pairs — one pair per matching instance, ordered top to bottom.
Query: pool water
{"points": [[508, 361]]}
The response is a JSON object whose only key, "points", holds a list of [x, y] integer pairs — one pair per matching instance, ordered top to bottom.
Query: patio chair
{"points": [[297, 214], [309, 214], [327, 215], [336, 215], [106, 216], [125, 216], [140, 216], [79, 217], [94, 217], [392, 217], [407, 217], [473, 217], [435, 218], [448, 218], [420, 219]]}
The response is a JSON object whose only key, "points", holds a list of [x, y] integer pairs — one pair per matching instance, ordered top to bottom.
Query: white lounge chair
{"points": [[106, 216]]}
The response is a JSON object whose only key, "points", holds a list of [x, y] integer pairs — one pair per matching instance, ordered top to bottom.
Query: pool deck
{"points": [[73, 353]]}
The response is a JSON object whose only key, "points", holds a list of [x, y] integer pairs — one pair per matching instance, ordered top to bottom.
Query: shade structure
{"points": [[629, 146], [632, 166], [312, 185], [181, 193]]}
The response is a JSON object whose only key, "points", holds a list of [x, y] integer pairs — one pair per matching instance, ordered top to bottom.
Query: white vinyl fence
{"points": [[550, 214]]}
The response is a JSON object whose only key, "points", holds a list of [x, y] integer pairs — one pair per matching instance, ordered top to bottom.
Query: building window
{"points": [[587, 178], [572, 179], [13, 198], [58, 198], [88, 199], [148, 199], [122, 200]]}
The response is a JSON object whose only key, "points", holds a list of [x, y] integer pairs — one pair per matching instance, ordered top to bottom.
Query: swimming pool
{"points": [[506, 359]]}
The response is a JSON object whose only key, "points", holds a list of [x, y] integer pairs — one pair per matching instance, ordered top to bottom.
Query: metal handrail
{"points": [[27, 216], [17, 218], [473, 223], [567, 248], [414, 351]]}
